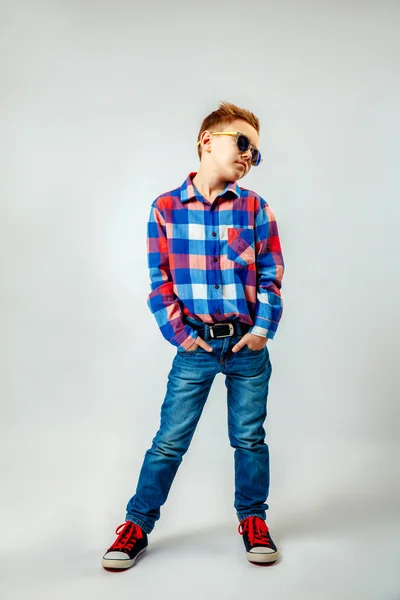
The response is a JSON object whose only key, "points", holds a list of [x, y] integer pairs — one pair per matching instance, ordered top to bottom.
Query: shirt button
{"points": [[214, 234], [215, 259], [216, 285], [218, 312]]}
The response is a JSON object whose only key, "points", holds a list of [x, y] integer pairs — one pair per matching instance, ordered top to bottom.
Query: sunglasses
{"points": [[243, 143]]}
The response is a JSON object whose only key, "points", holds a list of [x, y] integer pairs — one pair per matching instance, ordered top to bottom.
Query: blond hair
{"points": [[225, 114]]}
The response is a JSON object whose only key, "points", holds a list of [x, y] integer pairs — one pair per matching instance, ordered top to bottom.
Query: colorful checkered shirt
{"points": [[213, 262]]}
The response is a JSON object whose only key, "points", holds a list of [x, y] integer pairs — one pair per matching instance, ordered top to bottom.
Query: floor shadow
{"points": [[201, 537]]}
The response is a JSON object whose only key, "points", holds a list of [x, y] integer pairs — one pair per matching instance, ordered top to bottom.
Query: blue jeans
{"points": [[247, 374]]}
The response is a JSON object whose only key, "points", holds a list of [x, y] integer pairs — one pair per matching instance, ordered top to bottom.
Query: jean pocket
{"points": [[241, 249], [190, 351], [250, 351]]}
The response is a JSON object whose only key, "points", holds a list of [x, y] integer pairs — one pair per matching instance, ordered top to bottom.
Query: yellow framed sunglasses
{"points": [[243, 143]]}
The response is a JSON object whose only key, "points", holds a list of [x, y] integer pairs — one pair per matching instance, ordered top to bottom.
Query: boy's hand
{"points": [[199, 342], [254, 342]]}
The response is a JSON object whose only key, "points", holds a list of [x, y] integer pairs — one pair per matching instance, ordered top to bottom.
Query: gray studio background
{"points": [[101, 103]]}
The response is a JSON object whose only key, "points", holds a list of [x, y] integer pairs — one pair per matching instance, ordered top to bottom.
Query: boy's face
{"points": [[223, 155]]}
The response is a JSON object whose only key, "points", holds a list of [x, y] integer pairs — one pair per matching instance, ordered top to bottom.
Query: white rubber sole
{"points": [[255, 557], [113, 563]]}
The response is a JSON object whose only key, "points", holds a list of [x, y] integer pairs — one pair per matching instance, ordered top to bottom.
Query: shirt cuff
{"points": [[261, 332], [185, 338]]}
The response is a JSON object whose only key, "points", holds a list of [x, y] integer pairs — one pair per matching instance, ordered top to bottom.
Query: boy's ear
{"points": [[205, 137]]}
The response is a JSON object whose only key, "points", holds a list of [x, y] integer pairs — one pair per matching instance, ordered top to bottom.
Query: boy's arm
{"points": [[270, 269], [162, 301]]}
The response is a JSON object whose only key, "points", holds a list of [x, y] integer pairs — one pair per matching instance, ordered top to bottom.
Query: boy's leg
{"points": [[247, 381], [189, 384]]}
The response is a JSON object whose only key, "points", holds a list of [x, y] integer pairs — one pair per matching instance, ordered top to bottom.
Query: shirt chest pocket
{"points": [[241, 249]]}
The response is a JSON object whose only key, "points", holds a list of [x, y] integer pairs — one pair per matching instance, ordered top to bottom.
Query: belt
{"points": [[220, 330]]}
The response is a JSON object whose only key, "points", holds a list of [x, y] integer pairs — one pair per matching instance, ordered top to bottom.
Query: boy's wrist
{"points": [[186, 342]]}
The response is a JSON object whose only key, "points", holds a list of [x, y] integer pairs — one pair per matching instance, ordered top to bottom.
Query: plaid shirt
{"points": [[213, 261]]}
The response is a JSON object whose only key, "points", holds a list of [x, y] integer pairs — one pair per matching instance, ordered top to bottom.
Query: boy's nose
{"points": [[246, 155]]}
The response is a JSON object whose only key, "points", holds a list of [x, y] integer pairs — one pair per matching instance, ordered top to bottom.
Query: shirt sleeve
{"points": [[270, 268], [162, 301]]}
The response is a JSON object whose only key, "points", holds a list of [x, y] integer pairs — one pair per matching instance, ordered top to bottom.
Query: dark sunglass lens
{"points": [[242, 143], [255, 158]]}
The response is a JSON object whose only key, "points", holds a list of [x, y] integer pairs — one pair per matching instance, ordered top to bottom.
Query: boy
{"points": [[216, 270]]}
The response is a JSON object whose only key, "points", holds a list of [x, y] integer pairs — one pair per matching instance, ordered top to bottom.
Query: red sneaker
{"points": [[130, 543], [258, 543]]}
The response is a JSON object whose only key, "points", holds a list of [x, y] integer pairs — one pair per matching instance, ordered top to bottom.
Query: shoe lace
{"points": [[257, 530], [127, 536]]}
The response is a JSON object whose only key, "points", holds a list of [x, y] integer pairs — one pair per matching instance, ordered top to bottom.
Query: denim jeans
{"points": [[247, 374]]}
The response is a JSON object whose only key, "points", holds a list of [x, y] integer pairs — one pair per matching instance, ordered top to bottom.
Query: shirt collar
{"points": [[190, 192]]}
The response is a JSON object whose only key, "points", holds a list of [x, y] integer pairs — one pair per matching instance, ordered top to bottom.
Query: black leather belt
{"points": [[220, 330]]}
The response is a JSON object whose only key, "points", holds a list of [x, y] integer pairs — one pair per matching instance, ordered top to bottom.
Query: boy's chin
{"points": [[233, 174], [237, 175]]}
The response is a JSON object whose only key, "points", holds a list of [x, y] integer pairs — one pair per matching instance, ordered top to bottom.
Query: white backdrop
{"points": [[101, 103]]}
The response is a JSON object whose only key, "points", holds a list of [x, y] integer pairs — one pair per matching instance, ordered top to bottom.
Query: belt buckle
{"points": [[231, 330]]}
